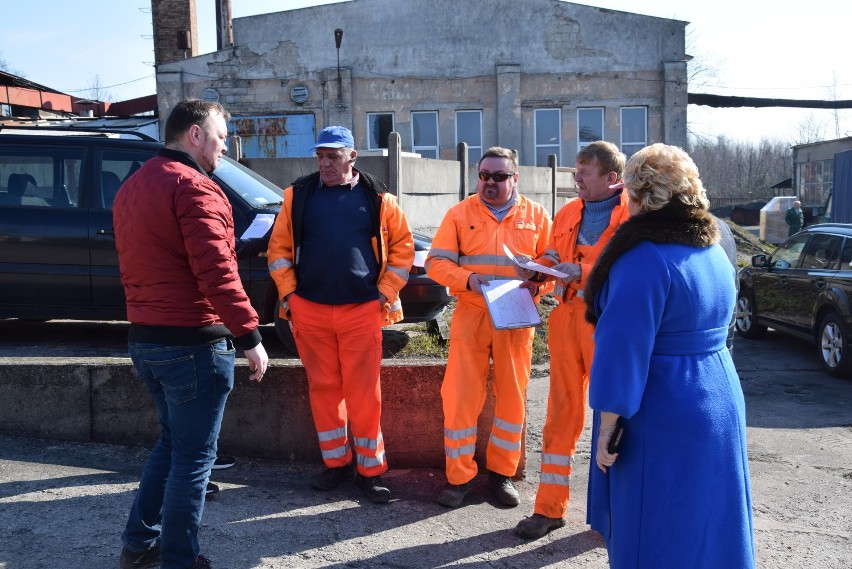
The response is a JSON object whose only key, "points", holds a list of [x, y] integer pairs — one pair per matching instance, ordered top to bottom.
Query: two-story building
{"points": [[540, 76]]}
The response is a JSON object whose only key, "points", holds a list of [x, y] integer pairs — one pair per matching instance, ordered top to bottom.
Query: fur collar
{"points": [[674, 223]]}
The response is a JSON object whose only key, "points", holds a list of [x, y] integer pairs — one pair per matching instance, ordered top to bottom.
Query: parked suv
{"points": [[57, 246], [803, 289]]}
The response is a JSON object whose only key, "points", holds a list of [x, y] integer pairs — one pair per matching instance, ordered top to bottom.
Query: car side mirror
{"points": [[758, 261]]}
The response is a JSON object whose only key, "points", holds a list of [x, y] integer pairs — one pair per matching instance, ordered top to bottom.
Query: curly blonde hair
{"points": [[659, 173]]}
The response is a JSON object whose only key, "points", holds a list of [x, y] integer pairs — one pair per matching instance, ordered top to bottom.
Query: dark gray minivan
{"points": [[57, 247]]}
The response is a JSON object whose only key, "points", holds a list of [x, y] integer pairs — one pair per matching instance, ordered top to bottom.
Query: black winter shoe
{"points": [[223, 462], [331, 478], [373, 488], [503, 489], [210, 490], [453, 495], [537, 526], [146, 560], [201, 562]]}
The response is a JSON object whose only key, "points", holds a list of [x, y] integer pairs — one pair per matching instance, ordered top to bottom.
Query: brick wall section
{"points": [[169, 17]]}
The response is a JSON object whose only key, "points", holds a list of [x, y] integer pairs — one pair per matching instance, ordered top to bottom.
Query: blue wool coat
{"points": [[678, 495]]}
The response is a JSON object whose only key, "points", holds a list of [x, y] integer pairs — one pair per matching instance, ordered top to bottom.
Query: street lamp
{"points": [[338, 39]]}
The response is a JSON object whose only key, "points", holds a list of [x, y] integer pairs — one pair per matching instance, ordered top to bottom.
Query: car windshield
{"points": [[256, 190]]}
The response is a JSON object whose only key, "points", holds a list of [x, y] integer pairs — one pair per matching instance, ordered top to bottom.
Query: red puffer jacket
{"points": [[174, 232]]}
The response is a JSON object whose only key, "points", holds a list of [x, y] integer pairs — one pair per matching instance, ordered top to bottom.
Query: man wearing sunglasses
{"points": [[581, 230], [466, 253]]}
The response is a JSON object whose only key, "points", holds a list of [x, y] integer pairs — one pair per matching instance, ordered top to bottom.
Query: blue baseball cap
{"points": [[334, 137]]}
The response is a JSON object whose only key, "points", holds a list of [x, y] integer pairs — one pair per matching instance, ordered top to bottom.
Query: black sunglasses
{"points": [[496, 176]]}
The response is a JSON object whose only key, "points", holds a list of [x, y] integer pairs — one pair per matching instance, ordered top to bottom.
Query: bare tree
{"points": [[5, 66], [704, 66], [702, 69], [96, 91], [811, 129], [740, 172]]}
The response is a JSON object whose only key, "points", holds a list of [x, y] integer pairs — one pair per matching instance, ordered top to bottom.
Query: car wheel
{"points": [[744, 318], [285, 334], [833, 346]]}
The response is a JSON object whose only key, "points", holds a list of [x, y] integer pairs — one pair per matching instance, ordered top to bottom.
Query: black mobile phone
{"points": [[614, 443]]}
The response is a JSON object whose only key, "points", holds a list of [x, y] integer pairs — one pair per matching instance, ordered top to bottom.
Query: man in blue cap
{"points": [[340, 252]]}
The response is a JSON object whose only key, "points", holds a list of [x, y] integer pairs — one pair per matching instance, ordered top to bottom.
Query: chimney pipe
{"points": [[224, 30]]}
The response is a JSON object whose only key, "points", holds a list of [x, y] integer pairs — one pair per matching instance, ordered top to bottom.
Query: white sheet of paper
{"points": [[259, 226], [420, 258], [532, 265], [510, 305]]}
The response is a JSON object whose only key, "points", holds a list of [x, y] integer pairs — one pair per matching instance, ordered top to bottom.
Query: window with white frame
{"points": [[379, 126], [548, 126], [590, 126], [634, 129], [469, 130], [424, 133]]}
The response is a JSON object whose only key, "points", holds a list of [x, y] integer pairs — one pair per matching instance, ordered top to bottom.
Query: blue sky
{"points": [[761, 49]]}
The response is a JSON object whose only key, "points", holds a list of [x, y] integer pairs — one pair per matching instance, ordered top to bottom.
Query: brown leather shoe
{"points": [[537, 526]]}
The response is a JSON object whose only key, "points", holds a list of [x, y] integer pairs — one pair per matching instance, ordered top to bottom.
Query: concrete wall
{"points": [[397, 57], [426, 188], [101, 400]]}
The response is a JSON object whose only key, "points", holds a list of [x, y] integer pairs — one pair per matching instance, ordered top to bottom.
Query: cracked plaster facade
{"points": [[503, 57]]}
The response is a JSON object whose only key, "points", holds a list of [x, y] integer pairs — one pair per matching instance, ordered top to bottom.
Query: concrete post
{"points": [[674, 103], [337, 106], [509, 106], [462, 157], [553, 164], [395, 165]]}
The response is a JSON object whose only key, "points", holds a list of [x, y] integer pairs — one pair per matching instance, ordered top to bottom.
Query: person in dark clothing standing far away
{"points": [[795, 218], [174, 232], [340, 252]]}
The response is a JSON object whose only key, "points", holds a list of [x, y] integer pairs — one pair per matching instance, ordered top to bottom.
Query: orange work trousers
{"points": [[473, 343], [571, 344], [341, 348]]}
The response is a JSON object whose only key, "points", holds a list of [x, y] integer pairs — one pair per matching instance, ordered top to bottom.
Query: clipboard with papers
{"points": [[509, 305]]}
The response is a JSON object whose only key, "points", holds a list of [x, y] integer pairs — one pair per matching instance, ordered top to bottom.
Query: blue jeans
{"points": [[190, 385]]}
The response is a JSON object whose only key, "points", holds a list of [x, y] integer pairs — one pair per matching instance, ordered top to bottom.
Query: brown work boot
{"points": [[503, 489], [453, 495], [537, 526]]}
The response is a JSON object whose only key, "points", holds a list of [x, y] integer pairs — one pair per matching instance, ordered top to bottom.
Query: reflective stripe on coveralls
{"points": [[471, 227], [280, 264], [571, 346], [343, 390], [463, 392]]}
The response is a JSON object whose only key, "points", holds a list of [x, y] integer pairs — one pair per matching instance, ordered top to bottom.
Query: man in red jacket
{"points": [[174, 232]]}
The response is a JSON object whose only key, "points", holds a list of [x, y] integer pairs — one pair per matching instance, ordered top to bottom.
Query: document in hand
{"points": [[532, 265], [509, 305]]}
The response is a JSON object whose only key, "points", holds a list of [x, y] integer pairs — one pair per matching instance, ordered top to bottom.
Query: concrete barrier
{"points": [[102, 400]]}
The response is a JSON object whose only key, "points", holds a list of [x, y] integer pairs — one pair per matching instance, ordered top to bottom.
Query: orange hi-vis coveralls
{"points": [[470, 240], [341, 344], [571, 345]]}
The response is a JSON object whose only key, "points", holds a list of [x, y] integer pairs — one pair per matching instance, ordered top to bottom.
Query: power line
{"points": [[107, 86]]}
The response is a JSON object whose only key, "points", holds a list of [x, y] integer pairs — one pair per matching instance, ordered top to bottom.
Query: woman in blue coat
{"points": [[676, 493]]}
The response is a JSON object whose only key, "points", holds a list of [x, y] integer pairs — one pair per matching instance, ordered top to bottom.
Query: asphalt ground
{"points": [[64, 504]]}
